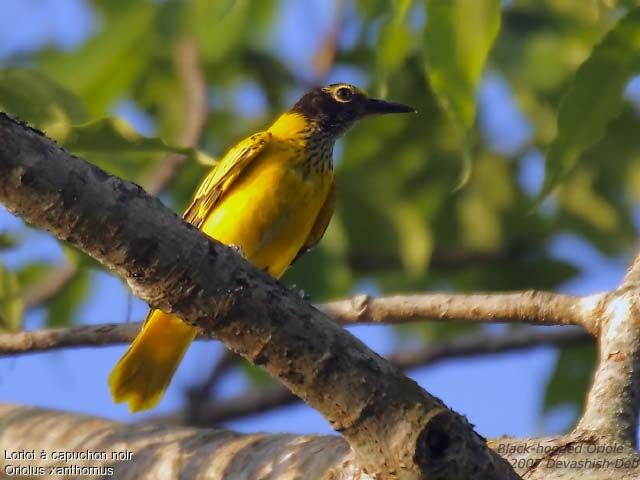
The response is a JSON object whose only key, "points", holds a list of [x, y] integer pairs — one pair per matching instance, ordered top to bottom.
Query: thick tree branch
{"points": [[613, 402], [395, 428], [167, 453], [173, 453]]}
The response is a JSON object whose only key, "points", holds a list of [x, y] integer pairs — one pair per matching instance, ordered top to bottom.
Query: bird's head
{"points": [[336, 107]]}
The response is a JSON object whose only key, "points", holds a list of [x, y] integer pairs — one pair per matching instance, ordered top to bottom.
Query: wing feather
{"points": [[222, 177]]}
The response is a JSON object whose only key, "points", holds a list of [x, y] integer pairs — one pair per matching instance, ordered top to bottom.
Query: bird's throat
{"points": [[314, 143]]}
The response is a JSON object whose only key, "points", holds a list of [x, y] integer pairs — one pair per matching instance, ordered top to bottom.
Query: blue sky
{"points": [[500, 394]]}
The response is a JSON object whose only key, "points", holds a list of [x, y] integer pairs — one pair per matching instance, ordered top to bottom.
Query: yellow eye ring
{"points": [[343, 94]]}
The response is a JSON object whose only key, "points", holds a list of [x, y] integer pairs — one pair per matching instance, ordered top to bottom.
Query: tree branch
{"points": [[540, 308], [34, 341], [258, 401], [613, 401], [394, 427], [169, 453], [173, 453]]}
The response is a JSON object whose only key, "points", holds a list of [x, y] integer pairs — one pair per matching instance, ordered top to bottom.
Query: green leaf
{"points": [[218, 26], [458, 37], [394, 43], [35, 98], [594, 98], [116, 136], [8, 241], [31, 273], [11, 303], [256, 375], [571, 377]]}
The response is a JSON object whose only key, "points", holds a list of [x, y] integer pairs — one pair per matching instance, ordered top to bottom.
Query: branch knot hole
{"points": [[434, 443]]}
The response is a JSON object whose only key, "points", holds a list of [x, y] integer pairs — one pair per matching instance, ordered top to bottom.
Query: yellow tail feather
{"points": [[144, 372]]}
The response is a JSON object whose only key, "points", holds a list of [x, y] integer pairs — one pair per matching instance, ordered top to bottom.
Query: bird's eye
{"points": [[343, 94]]}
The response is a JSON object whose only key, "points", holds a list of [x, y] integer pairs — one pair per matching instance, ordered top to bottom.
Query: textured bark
{"points": [[542, 308], [33, 341], [613, 402], [395, 428], [167, 453], [171, 453]]}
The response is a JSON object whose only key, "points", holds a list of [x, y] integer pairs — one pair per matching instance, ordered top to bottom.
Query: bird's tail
{"points": [[144, 372]]}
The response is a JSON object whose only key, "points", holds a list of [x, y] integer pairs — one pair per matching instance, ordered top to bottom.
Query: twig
{"points": [[542, 308], [78, 336]]}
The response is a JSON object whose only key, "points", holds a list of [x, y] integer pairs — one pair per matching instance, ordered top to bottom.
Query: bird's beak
{"points": [[375, 106]]}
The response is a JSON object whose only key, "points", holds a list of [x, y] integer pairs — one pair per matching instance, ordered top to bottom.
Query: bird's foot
{"points": [[238, 249], [299, 292]]}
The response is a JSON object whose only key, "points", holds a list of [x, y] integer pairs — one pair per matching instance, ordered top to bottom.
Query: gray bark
{"points": [[160, 452]]}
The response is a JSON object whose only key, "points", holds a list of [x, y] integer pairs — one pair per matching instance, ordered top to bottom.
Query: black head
{"points": [[336, 107]]}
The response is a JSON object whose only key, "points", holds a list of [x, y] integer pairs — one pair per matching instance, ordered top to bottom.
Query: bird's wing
{"points": [[223, 175], [321, 224]]}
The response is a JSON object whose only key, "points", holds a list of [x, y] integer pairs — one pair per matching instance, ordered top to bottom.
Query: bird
{"points": [[271, 197]]}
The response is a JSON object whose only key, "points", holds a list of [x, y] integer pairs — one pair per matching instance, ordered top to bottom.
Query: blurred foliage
{"points": [[458, 37], [594, 98], [400, 225], [8, 241], [68, 300], [11, 303]]}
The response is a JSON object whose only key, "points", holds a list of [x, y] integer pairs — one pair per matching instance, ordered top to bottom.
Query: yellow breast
{"points": [[270, 209]]}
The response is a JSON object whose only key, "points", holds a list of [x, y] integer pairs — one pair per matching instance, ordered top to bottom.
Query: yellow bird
{"points": [[271, 197]]}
